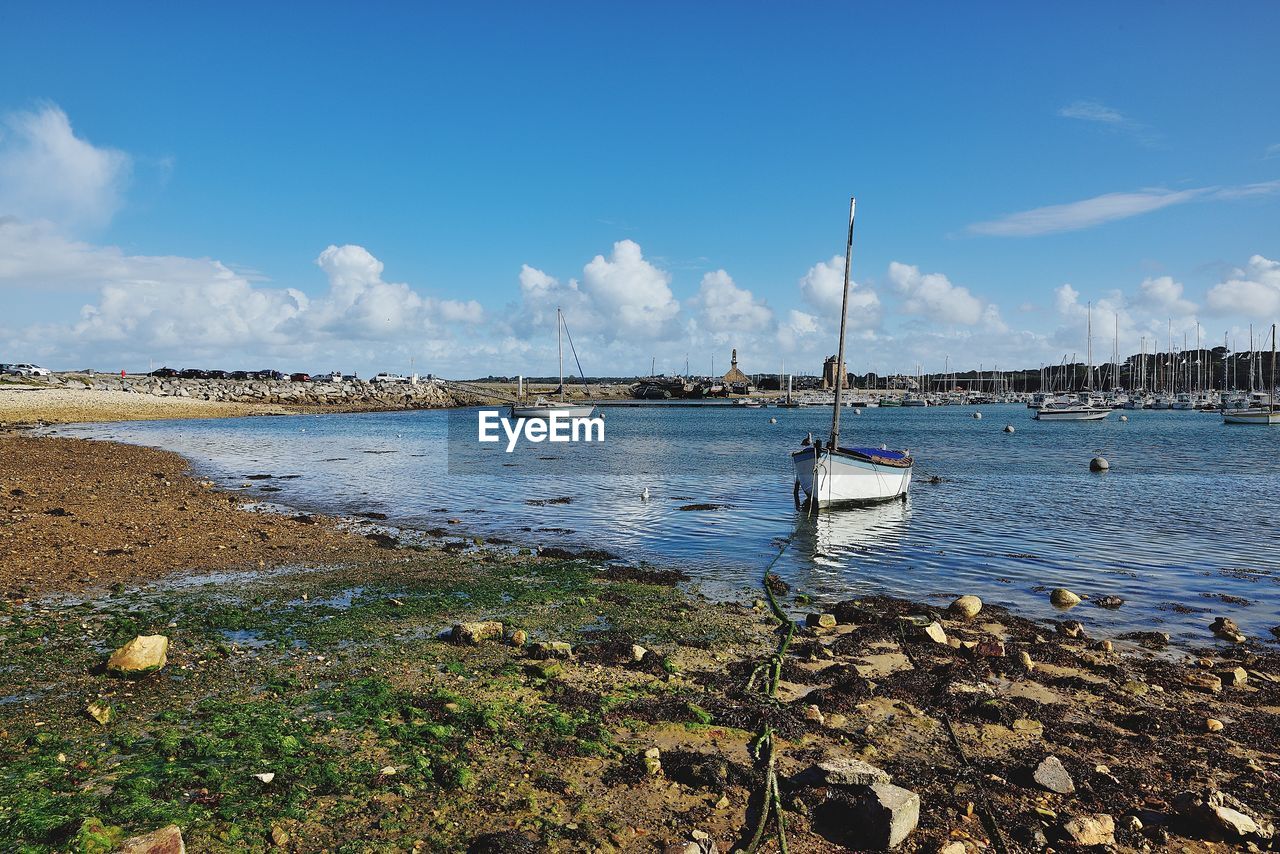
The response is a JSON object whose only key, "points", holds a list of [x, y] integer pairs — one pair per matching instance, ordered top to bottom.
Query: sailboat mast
{"points": [[844, 315], [560, 348], [1273, 368]]}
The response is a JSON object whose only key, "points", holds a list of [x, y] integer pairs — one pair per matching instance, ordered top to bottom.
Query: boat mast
{"points": [[844, 313], [560, 348], [1273, 369]]}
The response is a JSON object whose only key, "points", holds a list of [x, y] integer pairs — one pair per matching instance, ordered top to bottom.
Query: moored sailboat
{"points": [[543, 408], [1263, 409], [832, 474]]}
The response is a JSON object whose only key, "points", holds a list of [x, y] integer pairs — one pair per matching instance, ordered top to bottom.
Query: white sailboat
{"points": [[543, 408], [1064, 408], [1263, 409], [833, 474]]}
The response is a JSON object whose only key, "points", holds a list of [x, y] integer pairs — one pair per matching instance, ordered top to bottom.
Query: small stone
{"points": [[1063, 598], [1110, 602], [966, 607], [823, 621], [1072, 628], [1226, 628], [476, 633], [935, 633], [519, 637], [1106, 646], [551, 649], [990, 649], [638, 653], [143, 654], [1025, 658], [1236, 678], [1203, 682], [100, 712], [813, 713], [836, 720], [1213, 725], [652, 762], [388, 771], [847, 771], [1054, 776], [265, 777], [723, 803], [1223, 812], [883, 818], [1133, 823], [1090, 830], [279, 836], [166, 840], [958, 847]]}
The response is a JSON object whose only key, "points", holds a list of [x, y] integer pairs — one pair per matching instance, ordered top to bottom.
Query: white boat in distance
{"points": [[1263, 406], [543, 408], [1067, 409], [834, 475]]}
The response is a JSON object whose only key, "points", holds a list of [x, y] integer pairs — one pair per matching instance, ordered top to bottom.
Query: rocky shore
{"points": [[448, 695]]}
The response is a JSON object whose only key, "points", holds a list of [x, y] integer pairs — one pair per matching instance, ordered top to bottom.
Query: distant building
{"points": [[829, 374], [735, 380]]}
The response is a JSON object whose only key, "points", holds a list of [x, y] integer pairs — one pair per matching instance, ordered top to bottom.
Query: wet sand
{"points": [[76, 513]]}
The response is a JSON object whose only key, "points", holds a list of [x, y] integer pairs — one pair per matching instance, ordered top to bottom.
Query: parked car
{"points": [[26, 370], [164, 372], [191, 374], [215, 375], [241, 375], [269, 375], [330, 377], [300, 378], [388, 378]]}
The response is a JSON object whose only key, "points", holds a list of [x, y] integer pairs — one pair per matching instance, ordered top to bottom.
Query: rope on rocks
{"points": [[763, 747], [967, 770]]}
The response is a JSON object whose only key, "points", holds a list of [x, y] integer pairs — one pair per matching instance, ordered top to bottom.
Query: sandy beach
{"points": [[38, 404]]}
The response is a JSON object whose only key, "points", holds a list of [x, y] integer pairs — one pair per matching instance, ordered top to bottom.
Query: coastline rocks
{"points": [[1063, 598], [1109, 602], [966, 607], [822, 621], [1226, 628], [935, 633], [473, 634], [550, 649], [143, 654], [1201, 681], [844, 771], [1052, 775], [1224, 813], [882, 817], [1090, 830], [166, 840]]}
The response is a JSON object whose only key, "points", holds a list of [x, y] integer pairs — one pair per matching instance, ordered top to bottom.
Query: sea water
{"points": [[1186, 516]]}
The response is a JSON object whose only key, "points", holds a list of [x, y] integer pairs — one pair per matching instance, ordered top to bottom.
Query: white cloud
{"points": [[1092, 111], [1273, 150], [47, 172], [1086, 213], [823, 287], [1253, 290], [634, 294], [932, 295], [1163, 295], [725, 307]]}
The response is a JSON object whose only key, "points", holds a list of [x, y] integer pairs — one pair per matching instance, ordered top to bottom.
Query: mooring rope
{"points": [[763, 747]]}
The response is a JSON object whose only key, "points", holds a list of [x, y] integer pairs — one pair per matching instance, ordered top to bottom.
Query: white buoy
{"points": [[857, 411], [977, 416], [1124, 418], [773, 421], [1008, 428], [884, 447], [1099, 464], [644, 496]]}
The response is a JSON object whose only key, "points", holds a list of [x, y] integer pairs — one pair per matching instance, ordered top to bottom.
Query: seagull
{"points": [[644, 496]]}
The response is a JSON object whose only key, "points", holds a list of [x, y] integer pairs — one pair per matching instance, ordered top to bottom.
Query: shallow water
{"points": [[1187, 511]]}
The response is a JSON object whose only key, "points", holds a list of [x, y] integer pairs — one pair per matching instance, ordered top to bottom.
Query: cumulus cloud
{"points": [[1092, 111], [49, 173], [823, 286], [1253, 290], [633, 292], [932, 295], [1163, 295], [725, 307]]}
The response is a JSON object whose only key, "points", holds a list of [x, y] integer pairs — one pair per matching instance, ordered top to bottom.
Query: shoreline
{"points": [[551, 753]]}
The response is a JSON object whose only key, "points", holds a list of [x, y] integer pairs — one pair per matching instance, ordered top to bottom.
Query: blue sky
{"points": [[171, 179]]}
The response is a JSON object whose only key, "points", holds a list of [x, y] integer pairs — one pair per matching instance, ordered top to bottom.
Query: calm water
{"points": [[1187, 512]]}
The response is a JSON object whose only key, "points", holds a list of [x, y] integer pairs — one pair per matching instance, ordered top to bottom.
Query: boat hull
{"points": [[545, 411], [1072, 414], [1251, 416], [843, 478]]}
